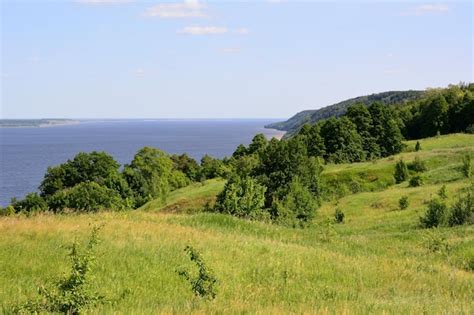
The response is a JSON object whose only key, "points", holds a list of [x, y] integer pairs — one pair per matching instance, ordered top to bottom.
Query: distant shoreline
{"points": [[36, 123]]}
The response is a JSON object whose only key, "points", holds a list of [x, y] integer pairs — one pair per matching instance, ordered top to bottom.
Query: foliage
{"points": [[341, 141], [417, 146], [417, 165], [187, 166], [466, 166], [95, 167], [212, 168], [401, 172], [150, 175], [415, 181], [442, 192], [90, 196], [241, 197], [403, 202], [31, 203], [298, 206], [7, 211], [462, 212], [435, 215], [339, 216], [204, 284], [71, 294]]}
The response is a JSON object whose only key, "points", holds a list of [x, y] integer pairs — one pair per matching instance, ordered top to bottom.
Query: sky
{"points": [[190, 59]]}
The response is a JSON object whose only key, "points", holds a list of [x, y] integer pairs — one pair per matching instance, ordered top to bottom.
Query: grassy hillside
{"points": [[293, 124], [378, 261]]}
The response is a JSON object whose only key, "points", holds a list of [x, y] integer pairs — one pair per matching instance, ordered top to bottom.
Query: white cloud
{"points": [[99, 2], [187, 9], [427, 9], [203, 30], [242, 31], [229, 50]]}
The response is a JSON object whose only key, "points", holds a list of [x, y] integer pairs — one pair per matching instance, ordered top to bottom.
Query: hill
{"points": [[312, 116], [378, 261]]}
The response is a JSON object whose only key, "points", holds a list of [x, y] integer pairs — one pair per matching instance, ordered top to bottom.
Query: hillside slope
{"points": [[312, 116], [378, 261]]}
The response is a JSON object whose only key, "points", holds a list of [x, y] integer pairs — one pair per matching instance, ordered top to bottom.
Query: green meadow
{"points": [[378, 261]]}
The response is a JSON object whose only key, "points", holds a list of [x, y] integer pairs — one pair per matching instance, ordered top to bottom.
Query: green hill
{"points": [[312, 116], [378, 261]]}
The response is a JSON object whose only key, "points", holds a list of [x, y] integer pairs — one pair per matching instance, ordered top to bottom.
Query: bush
{"points": [[417, 146], [417, 165], [466, 166], [401, 172], [415, 181], [442, 192], [87, 196], [241, 197], [32, 203], [403, 203], [298, 206], [7, 211], [462, 211], [435, 214], [339, 216], [204, 283], [71, 294]]}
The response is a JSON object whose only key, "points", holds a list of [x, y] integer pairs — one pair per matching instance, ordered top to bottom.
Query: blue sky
{"points": [[155, 59]]}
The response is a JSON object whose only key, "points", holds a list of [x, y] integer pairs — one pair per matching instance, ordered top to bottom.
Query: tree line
{"points": [[275, 180]]}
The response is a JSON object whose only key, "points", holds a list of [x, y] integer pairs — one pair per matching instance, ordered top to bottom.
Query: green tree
{"points": [[360, 116], [434, 116], [385, 129], [259, 142], [342, 142], [186, 165], [401, 172], [149, 174], [92, 197], [241, 197], [31, 203], [298, 206], [435, 214]]}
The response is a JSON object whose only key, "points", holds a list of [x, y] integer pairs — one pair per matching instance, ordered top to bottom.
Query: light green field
{"points": [[378, 261]]}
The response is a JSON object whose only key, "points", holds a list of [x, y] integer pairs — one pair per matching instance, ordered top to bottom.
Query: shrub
{"points": [[417, 146], [418, 165], [466, 166], [401, 172], [415, 181], [442, 192], [87, 196], [242, 197], [403, 202], [32, 203], [297, 207], [7, 211], [462, 211], [435, 214], [339, 216], [437, 243], [204, 284], [71, 294]]}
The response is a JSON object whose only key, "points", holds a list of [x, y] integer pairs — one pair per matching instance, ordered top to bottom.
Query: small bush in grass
{"points": [[417, 146], [418, 165], [466, 166], [401, 172], [415, 181], [442, 192], [403, 202], [31, 203], [7, 211], [462, 211], [435, 214], [339, 216], [437, 243], [204, 284], [71, 294]]}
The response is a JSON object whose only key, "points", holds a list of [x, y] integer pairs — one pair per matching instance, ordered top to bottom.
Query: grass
{"points": [[378, 261]]}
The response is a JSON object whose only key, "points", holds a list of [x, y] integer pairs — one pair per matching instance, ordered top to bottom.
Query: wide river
{"points": [[26, 153]]}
